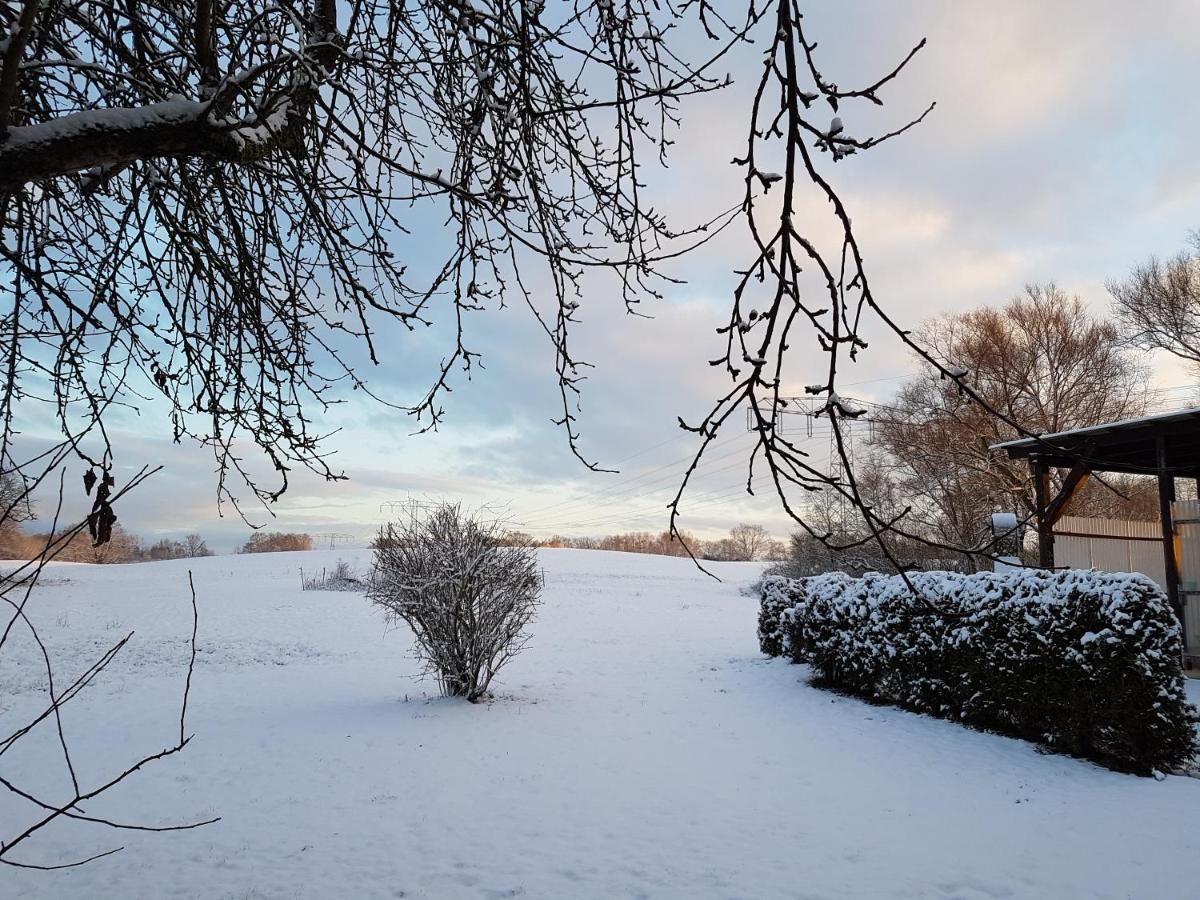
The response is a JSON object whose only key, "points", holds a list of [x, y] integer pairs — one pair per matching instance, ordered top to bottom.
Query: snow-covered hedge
{"points": [[1084, 662]]}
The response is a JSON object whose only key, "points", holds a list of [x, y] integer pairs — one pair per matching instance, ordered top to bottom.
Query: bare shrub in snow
{"points": [[341, 577], [464, 588]]}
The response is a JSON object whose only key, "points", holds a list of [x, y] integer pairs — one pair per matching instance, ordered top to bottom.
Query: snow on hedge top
{"points": [[1116, 591]]}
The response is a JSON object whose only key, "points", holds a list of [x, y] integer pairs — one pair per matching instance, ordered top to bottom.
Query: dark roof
{"points": [[1127, 446]]}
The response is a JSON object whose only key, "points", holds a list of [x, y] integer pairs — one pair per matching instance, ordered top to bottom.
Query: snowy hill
{"points": [[641, 747]]}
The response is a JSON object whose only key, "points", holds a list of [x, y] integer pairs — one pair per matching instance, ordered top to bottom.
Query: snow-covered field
{"points": [[640, 748]]}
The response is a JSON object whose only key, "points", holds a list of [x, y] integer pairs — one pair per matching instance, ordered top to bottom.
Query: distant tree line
{"points": [[276, 542], [16, 543], [743, 544], [123, 547]]}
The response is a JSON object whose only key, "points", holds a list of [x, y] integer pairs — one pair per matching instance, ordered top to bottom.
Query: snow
{"points": [[174, 111], [261, 131], [843, 405], [1003, 522], [641, 747]]}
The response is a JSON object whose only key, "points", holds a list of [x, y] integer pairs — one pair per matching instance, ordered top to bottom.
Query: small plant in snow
{"points": [[340, 578], [465, 589]]}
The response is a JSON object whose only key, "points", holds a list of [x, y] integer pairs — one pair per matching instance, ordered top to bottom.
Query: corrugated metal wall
{"points": [[1113, 545], [1118, 545]]}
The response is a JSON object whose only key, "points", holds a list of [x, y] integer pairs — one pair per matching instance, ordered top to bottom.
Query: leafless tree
{"points": [[213, 201], [801, 288], [1159, 304], [1044, 360], [14, 500], [15, 508], [520, 538], [750, 541], [843, 542], [656, 543], [744, 543], [191, 546], [196, 546], [120, 547], [465, 591]]}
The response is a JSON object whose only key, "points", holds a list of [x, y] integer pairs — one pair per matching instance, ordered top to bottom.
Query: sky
{"points": [[1063, 147]]}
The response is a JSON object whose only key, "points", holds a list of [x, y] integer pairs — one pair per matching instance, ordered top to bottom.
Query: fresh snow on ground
{"points": [[641, 747]]}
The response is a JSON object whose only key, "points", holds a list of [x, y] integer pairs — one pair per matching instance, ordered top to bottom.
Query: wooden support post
{"points": [[1071, 486], [1166, 495], [1041, 499]]}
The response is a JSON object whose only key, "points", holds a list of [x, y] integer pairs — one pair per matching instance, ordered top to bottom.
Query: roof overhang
{"points": [[1130, 446]]}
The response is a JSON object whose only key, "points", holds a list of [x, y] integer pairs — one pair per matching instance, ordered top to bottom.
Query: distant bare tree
{"points": [[1158, 304], [1044, 360], [14, 499], [15, 508], [516, 538], [843, 541], [570, 542], [750, 542], [15, 543], [743, 544], [195, 546], [121, 547], [166, 549], [466, 594]]}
